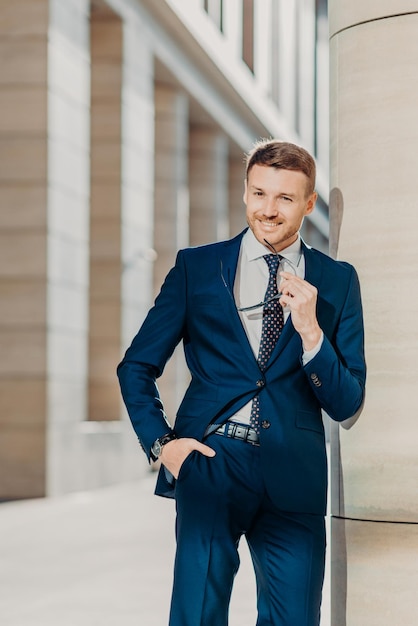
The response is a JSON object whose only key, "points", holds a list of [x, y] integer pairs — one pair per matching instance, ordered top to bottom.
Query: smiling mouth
{"points": [[270, 224]]}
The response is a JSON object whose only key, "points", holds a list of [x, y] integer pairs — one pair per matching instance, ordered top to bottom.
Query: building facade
{"points": [[122, 131]]}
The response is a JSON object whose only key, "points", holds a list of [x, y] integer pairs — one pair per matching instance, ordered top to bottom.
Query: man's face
{"points": [[277, 202]]}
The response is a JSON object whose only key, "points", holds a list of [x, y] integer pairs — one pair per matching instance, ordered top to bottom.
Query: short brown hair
{"points": [[282, 155]]}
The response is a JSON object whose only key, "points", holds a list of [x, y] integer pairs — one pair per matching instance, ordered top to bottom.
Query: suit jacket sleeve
{"points": [[145, 359], [337, 373]]}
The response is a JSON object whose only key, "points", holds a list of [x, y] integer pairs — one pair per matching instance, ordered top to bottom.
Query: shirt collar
{"points": [[255, 250]]}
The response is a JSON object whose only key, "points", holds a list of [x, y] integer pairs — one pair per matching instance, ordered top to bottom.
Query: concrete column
{"points": [[263, 36], [306, 73], [287, 80], [322, 87], [374, 138], [208, 186], [137, 195], [171, 228], [68, 241], [23, 247], [138, 254]]}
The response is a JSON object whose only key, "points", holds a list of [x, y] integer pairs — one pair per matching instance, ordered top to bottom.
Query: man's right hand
{"points": [[176, 451]]}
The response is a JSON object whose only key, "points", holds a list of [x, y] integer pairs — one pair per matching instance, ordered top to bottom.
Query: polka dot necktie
{"points": [[272, 326]]}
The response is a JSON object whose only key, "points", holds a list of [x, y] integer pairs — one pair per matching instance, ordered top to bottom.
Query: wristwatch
{"points": [[159, 443]]}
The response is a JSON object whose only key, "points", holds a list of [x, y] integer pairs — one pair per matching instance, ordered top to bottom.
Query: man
{"points": [[246, 455]]}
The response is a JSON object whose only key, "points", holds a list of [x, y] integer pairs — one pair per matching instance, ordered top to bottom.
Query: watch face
{"points": [[159, 443], [156, 449]]}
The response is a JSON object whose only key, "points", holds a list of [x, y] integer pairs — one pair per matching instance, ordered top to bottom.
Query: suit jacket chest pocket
{"points": [[205, 300], [205, 308]]}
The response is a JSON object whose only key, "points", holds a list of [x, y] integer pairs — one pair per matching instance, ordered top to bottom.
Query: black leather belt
{"points": [[238, 431]]}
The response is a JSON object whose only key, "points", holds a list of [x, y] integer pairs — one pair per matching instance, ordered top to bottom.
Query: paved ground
{"points": [[98, 559]]}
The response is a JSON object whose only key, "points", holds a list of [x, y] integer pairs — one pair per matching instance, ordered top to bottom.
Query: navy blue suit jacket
{"points": [[196, 306]]}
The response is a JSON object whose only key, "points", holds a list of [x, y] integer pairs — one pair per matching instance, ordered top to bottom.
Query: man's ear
{"points": [[244, 197], [310, 204]]}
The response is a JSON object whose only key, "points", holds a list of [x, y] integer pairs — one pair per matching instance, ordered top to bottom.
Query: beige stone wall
{"points": [[106, 48], [374, 139], [236, 176], [208, 185], [23, 251]]}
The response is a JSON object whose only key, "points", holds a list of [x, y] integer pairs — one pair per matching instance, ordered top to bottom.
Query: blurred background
{"points": [[123, 128]]}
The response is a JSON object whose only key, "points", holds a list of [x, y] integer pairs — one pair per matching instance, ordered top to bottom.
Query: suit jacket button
{"points": [[315, 380], [260, 383], [265, 424]]}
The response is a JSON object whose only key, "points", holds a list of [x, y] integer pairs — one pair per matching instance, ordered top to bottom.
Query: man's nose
{"points": [[270, 207]]}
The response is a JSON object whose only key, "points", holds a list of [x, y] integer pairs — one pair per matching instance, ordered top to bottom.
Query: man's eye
{"points": [[258, 193], [287, 198]]}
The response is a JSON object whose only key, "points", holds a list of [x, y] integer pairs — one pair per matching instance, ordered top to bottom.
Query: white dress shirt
{"points": [[250, 287]]}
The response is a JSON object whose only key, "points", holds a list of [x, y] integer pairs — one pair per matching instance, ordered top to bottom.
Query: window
{"points": [[214, 8], [248, 33]]}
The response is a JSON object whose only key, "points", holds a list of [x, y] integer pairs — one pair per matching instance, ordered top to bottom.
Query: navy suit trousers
{"points": [[219, 500]]}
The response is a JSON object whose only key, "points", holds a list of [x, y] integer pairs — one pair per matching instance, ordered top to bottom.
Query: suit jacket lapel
{"points": [[228, 268], [313, 269]]}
